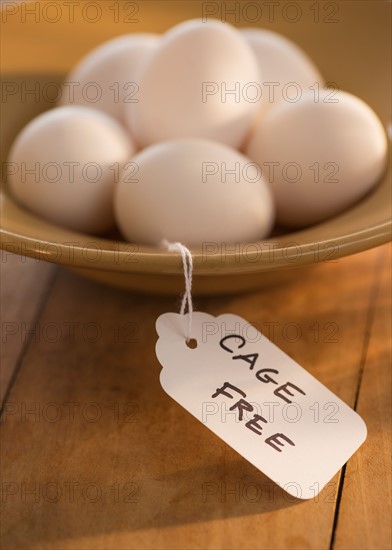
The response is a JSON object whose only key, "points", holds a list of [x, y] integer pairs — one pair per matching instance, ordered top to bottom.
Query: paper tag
{"points": [[258, 400]]}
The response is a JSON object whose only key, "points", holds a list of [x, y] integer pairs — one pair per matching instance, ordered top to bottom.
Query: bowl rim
{"points": [[288, 250]]}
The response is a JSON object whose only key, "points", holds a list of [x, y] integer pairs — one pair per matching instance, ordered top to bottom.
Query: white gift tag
{"points": [[258, 400]]}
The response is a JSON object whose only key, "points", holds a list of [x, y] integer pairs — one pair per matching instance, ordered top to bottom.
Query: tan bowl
{"points": [[242, 266]]}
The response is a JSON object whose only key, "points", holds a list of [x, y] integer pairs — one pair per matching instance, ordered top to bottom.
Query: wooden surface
{"points": [[94, 454]]}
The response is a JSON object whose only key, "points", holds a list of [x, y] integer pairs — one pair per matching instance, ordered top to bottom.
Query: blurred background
{"points": [[350, 41]]}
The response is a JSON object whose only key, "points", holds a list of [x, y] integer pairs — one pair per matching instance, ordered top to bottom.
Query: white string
{"points": [[187, 263]]}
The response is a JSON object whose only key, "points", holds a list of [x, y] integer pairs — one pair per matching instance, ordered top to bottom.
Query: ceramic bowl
{"points": [[218, 269]]}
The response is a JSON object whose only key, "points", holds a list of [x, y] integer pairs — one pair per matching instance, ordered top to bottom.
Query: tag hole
{"points": [[191, 343]]}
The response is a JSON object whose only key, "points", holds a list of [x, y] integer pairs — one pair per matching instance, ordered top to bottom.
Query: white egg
{"points": [[286, 69], [106, 78], [199, 82], [319, 157], [64, 164], [194, 191]]}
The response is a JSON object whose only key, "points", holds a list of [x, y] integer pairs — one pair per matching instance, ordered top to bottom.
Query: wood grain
{"points": [[24, 283], [114, 463], [365, 511]]}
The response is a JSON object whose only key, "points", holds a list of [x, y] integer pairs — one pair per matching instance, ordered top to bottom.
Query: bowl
{"points": [[217, 268]]}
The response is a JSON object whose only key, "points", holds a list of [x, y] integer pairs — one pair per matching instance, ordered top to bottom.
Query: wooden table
{"points": [[95, 455]]}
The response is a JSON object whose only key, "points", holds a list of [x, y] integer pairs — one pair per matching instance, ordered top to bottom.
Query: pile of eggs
{"points": [[205, 134]]}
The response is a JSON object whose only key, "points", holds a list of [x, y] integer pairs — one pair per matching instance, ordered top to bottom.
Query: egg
{"points": [[286, 69], [105, 78], [200, 82], [319, 157], [64, 165], [194, 191]]}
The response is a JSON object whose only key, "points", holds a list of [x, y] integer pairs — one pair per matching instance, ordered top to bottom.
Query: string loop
{"points": [[187, 263]]}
